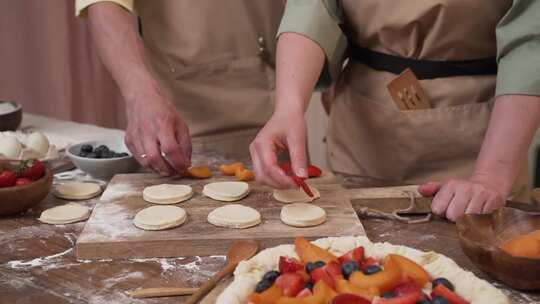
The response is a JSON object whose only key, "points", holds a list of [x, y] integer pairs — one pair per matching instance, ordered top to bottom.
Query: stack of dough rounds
{"points": [[77, 190], [226, 191], [167, 194], [296, 195], [65, 214], [302, 215], [234, 216], [160, 217]]}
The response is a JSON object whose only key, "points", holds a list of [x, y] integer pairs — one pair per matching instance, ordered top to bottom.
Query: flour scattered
{"points": [[37, 262]]}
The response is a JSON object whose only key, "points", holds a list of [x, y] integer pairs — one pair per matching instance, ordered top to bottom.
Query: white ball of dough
{"points": [[38, 142], [10, 147]]}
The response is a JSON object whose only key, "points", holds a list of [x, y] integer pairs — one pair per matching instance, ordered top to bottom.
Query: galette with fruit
{"points": [[352, 270]]}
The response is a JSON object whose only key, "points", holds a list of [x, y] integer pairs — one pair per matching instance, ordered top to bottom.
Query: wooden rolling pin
{"points": [[162, 292]]}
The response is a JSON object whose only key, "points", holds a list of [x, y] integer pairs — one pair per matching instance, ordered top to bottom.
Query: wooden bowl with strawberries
{"points": [[23, 185]]}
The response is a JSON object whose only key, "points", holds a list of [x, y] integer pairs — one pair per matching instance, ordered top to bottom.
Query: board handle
{"points": [[382, 192], [162, 292]]}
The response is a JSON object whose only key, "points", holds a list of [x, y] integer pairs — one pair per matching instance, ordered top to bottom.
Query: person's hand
{"points": [[284, 131], [157, 136], [454, 198]]}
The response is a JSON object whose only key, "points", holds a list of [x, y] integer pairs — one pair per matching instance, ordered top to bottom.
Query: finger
{"points": [[184, 140], [135, 147], [173, 153], [153, 155], [298, 155], [258, 168], [269, 169], [429, 189], [442, 199], [458, 204], [476, 204], [492, 204]]}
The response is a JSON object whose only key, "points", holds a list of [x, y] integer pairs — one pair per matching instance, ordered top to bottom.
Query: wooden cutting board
{"points": [[110, 233]]}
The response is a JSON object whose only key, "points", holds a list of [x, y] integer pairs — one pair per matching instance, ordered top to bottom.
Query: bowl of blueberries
{"points": [[102, 159]]}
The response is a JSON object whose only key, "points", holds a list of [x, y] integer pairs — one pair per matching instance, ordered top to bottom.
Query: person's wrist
{"points": [[495, 181]]}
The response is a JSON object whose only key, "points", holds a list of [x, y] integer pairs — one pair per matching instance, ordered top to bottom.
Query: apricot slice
{"points": [[230, 169], [200, 172], [244, 175], [535, 234], [523, 246], [311, 253], [411, 270], [384, 280], [344, 286], [322, 294], [269, 296]]}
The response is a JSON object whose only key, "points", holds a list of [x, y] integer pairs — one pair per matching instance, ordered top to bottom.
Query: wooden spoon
{"points": [[239, 251]]}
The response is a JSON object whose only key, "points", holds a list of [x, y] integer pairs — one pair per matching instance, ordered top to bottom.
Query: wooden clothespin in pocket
{"points": [[407, 92]]}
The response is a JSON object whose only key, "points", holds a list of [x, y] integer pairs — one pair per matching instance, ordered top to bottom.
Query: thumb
{"points": [[298, 155], [429, 189]]}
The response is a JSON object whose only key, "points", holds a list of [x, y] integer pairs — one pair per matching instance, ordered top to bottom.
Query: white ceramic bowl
{"points": [[103, 167]]}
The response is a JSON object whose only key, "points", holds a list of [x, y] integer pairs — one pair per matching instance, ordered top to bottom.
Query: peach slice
{"points": [[230, 169], [201, 172], [312, 253], [412, 270], [384, 280]]}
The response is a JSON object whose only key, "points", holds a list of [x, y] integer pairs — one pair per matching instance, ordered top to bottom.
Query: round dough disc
{"points": [[77, 190], [226, 191], [167, 193], [296, 195], [65, 214], [302, 215], [234, 216], [160, 217]]}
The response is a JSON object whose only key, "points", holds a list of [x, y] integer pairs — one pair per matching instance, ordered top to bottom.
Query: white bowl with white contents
{"points": [[103, 167]]}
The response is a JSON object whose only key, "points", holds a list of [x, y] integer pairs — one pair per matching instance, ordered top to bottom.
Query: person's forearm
{"points": [[121, 49], [299, 62], [513, 123]]}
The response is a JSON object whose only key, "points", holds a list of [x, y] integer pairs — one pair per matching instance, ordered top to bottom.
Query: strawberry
{"points": [[286, 167], [32, 169], [314, 171], [7, 178], [21, 181], [356, 255], [368, 262], [287, 264], [328, 273], [290, 284], [406, 288], [306, 292], [449, 295], [348, 298], [410, 298]]}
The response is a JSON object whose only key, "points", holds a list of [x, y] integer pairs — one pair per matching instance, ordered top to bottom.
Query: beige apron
{"points": [[216, 60], [370, 137]]}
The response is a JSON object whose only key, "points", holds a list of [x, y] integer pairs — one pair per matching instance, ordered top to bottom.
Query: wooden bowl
{"points": [[12, 120], [17, 199], [481, 235]]}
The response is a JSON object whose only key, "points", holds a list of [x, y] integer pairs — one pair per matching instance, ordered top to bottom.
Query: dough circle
{"points": [[77, 190], [226, 191], [167, 193], [288, 196], [65, 214], [302, 215], [234, 216], [159, 217]]}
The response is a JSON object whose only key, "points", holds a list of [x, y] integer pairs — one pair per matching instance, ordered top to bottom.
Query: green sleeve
{"points": [[319, 21], [518, 49]]}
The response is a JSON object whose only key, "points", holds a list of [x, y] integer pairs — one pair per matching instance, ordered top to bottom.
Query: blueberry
{"points": [[86, 148], [103, 148], [83, 154], [107, 154], [123, 154], [92, 155], [319, 264], [310, 267], [348, 268], [372, 269], [271, 276], [444, 282], [263, 285], [309, 286], [389, 294], [439, 300], [423, 301]]}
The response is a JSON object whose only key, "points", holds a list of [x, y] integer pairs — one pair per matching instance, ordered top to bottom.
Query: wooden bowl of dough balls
{"points": [[10, 115], [20, 145], [18, 199], [504, 244]]}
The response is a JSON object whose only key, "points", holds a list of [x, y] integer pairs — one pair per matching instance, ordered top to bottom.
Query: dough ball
{"points": [[38, 142], [10, 147], [77, 190], [226, 191], [167, 193], [296, 195], [65, 214], [302, 215], [234, 216], [160, 217]]}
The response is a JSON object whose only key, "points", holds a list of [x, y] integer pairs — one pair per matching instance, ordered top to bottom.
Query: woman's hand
{"points": [[285, 131], [157, 136], [454, 198]]}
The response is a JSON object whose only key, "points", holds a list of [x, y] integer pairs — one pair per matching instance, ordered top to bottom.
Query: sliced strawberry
{"points": [[286, 167], [32, 169], [314, 171], [7, 178], [22, 181], [356, 255], [368, 262], [287, 264], [333, 268], [328, 273], [290, 284], [406, 288], [306, 292], [452, 297], [348, 298], [410, 298]]}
